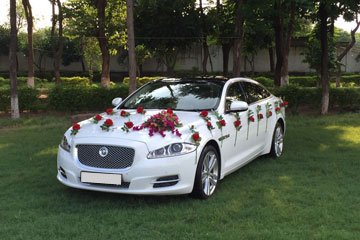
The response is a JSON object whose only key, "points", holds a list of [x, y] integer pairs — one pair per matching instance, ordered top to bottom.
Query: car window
{"points": [[254, 92], [234, 93]]}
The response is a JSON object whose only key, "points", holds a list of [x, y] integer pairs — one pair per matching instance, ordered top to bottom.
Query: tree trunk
{"points": [[29, 20], [279, 34], [239, 35], [203, 39], [131, 45], [346, 50], [58, 53], [226, 53], [206, 56], [324, 58], [272, 61], [82, 64], [285, 66], [105, 73], [15, 113]]}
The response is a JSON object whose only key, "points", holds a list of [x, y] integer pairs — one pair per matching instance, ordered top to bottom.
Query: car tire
{"points": [[277, 144], [207, 173]]}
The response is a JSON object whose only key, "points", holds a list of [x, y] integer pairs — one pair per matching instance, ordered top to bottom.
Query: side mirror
{"points": [[116, 101], [236, 106]]}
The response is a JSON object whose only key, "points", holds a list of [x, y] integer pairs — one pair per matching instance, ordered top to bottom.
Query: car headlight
{"points": [[65, 144], [172, 150]]}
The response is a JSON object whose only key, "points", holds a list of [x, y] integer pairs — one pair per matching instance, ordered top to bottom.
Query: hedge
{"points": [[72, 81], [141, 81], [296, 96], [84, 98], [28, 99]]}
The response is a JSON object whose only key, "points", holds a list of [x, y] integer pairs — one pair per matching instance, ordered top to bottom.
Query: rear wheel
{"points": [[277, 144], [207, 173]]}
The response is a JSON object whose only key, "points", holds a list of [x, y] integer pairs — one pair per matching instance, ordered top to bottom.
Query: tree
{"points": [[224, 18], [102, 19], [29, 20], [167, 28], [239, 36], [57, 41], [131, 45], [346, 50], [15, 113]]}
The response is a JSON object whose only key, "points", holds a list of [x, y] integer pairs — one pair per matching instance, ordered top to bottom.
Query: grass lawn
{"points": [[311, 192]]}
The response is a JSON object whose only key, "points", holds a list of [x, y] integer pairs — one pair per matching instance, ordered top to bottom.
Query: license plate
{"points": [[101, 178]]}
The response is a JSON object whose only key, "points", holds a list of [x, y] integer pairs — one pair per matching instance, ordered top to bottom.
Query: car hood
{"points": [[93, 130]]}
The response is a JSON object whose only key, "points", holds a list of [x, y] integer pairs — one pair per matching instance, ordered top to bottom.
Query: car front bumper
{"points": [[137, 179]]}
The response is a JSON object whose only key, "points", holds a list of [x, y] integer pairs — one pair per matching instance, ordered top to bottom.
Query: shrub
{"points": [[75, 81], [141, 81], [303, 81], [267, 82], [341, 97], [65, 98], [28, 99]]}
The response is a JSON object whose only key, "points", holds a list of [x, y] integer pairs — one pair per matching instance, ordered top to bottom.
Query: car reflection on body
{"points": [[173, 136]]}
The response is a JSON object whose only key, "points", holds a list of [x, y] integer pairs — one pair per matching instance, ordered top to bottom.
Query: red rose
{"points": [[284, 103], [277, 109], [140, 110], [109, 111], [169, 111], [123, 113], [204, 113], [270, 113], [261, 116], [98, 117], [251, 118], [109, 122], [222, 122], [237, 123], [129, 124], [209, 124], [76, 127], [196, 136]]}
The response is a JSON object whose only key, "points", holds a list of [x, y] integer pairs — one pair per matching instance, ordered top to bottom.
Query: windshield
{"points": [[177, 95]]}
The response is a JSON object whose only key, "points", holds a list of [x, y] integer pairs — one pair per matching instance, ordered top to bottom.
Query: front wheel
{"points": [[277, 144], [207, 173]]}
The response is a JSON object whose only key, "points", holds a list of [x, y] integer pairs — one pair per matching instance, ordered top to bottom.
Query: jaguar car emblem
{"points": [[104, 151]]}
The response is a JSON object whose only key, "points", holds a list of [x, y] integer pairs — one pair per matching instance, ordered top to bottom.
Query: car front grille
{"points": [[117, 157]]}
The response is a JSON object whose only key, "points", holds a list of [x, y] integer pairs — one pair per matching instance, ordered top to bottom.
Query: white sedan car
{"points": [[173, 136]]}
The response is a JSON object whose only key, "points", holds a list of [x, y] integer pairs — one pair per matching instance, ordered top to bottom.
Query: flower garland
{"points": [[140, 110], [109, 111], [124, 113], [268, 114], [204, 115], [259, 117], [96, 119], [250, 119], [161, 122], [220, 123], [106, 125], [237, 125], [127, 126], [75, 129], [195, 137]]}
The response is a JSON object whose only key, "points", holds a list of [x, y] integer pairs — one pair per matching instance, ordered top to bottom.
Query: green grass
{"points": [[311, 192]]}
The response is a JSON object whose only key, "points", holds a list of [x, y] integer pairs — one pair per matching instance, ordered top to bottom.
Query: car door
{"points": [[256, 97], [235, 147]]}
